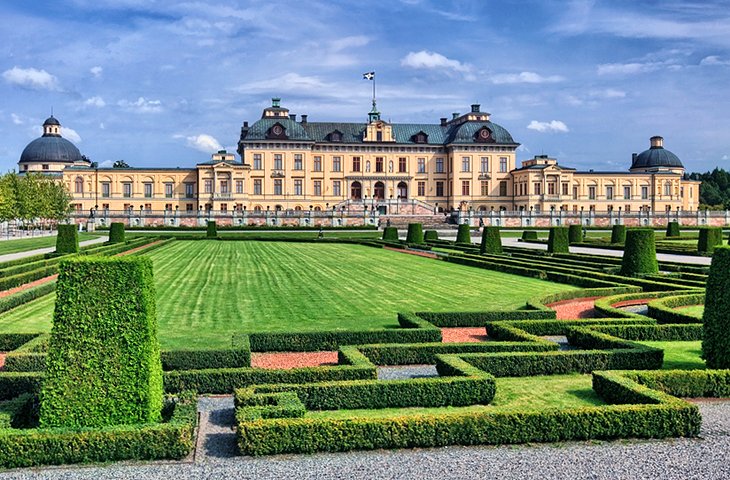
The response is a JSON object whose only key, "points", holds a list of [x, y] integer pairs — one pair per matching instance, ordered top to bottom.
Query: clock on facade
{"points": [[277, 130]]}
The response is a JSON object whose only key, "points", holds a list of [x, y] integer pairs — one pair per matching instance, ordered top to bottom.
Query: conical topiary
{"points": [[415, 233], [575, 234], [618, 234], [463, 235], [558, 240], [491, 241], [639, 252], [716, 317]]}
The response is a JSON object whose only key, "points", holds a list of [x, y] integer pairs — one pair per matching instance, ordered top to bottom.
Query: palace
{"points": [[287, 164]]}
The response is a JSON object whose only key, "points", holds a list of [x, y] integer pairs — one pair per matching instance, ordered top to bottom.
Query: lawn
{"points": [[310, 234], [30, 243], [207, 290], [693, 310], [680, 355]]}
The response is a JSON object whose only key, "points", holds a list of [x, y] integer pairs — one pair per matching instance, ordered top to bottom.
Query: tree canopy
{"points": [[715, 189], [32, 197]]}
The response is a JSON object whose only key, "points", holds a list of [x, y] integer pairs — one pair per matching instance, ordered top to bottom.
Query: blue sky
{"points": [[163, 83]]}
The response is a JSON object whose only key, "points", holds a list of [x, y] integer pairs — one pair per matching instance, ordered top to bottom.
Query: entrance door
{"points": [[379, 190], [403, 190], [356, 191]]}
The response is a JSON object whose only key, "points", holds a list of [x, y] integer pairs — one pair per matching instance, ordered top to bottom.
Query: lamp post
{"points": [[581, 215], [619, 215]]}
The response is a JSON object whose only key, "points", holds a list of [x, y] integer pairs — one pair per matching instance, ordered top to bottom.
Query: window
{"points": [[379, 136], [278, 161], [298, 162], [257, 163], [336, 164], [355, 164], [379, 164], [402, 164], [465, 164], [502, 164], [439, 165], [484, 165], [45, 166], [317, 167], [79, 185], [209, 186], [239, 186], [257, 186], [277, 186], [224, 187], [297, 187], [318, 187], [465, 187], [336, 188], [485, 188], [503, 188], [536, 188], [551, 188], [565, 188], [127, 189], [421, 189], [439, 189], [668, 189], [105, 190], [147, 190], [189, 190], [609, 192], [575, 193], [591, 193], [627, 193], [644, 193], [105, 206], [168, 206], [148, 207], [188, 207], [224, 207], [627, 208]]}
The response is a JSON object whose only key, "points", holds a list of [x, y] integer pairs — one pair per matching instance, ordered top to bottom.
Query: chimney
{"points": [[474, 108], [454, 115], [293, 117], [304, 119], [443, 121], [245, 124], [656, 142], [633, 157]]}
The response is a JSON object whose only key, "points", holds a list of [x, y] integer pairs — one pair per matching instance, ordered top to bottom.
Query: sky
{"points": [[167, 83]]}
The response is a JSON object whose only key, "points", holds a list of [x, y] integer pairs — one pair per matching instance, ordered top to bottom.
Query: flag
{"points": [[368, 76]]}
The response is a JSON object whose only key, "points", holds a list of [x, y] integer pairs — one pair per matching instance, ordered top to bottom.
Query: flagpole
{"points": [[373, 90]]}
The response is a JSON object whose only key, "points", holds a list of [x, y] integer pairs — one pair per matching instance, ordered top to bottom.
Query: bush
{"points": [[673, 229], [212, 230], [116, 232], [415, 233], [575, 233], [390, 234], [463, 234], [618, 234], [430, 235], [529, 235], [710, 237], [67, 240], [558, 240], [491, 241], [639, 253], [664, 309], [716, 318], [103, 366], [686, 383]]}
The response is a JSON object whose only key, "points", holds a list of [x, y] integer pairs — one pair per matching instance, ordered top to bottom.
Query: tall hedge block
{"points": [[673, 229], [212, 231], [116, 232], [415, 233], [575, 233], [390, 234], [618, 234], [430, 235], [463, 235], [529, 235], [710, 237], [67, 240], [558, 240], [491, 241], [639, 252], [716, 318], [103, 366]]}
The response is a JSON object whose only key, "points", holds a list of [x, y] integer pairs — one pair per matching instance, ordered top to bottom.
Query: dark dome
{"points": [[52, 121], [50, 149], [656, 157]]}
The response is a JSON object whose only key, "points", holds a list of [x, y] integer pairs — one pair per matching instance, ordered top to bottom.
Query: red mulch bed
{"points": [[411, 252], [27, 286], [630, 303], [575, 308], [463, 334], [292, 359], [2, 360]]}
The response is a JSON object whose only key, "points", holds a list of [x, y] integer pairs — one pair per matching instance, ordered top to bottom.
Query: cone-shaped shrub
{"points": [[673, 229], [212, 231], [116, 232], [415, 233], [575, 233], [390, 234], [618, 234], [430, 235], [463, 235], [529, 235], [710, 237], [67, 240], [558, 240], [491, 241], [639, 252], [716, 319], [103, 366]]}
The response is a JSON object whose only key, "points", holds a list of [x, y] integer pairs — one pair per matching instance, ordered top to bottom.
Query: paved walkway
{"points": [[39, 251]]}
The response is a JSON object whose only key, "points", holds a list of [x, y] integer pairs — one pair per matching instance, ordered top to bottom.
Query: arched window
{"points": [[79, 185], [356, 191], [257, 208]]}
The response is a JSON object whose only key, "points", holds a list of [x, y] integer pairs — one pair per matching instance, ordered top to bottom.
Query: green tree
{"points": [[120, 164]]}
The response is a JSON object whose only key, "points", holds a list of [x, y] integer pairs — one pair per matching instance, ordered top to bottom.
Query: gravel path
{"points": [[405, 372], [704, 458]]}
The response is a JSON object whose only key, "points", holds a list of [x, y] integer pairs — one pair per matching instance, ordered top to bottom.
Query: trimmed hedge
{"points": [[673, 229], [212, 230], [116, 232], [415, 233], [575, 233], [390, 234], [463, 234], [618, 234], [430, 235], [529, 235], [710, 237], [67, 239], [558, 240], [491, 241], [639, 253], [21, 298], [664, 309], [716, 318], [479, 319], [652, 333], [11, 341], [103, 365], [685, 383]]}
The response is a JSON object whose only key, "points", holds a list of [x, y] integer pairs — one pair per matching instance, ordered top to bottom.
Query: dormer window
{"points": [[277, 131], [483, 135], [335, 136], [420, 137]]}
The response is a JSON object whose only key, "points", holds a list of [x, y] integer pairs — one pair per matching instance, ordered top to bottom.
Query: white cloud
{"points": [[349, 42], [714, 60], [433, 61], [626, 68], [96, 71], [524, 77], [31, 78], [289, 82], [609, 93], [95, 102], [141, 105], [16, 119], [551, 126], [71, 134], [203, 142], [725, 157], [106, 164]]}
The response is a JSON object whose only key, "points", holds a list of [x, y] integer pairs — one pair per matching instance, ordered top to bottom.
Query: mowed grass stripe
{"points": [[208, 290]]}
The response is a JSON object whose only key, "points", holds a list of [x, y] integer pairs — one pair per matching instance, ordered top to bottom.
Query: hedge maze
{"points": [[347, 407]]}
